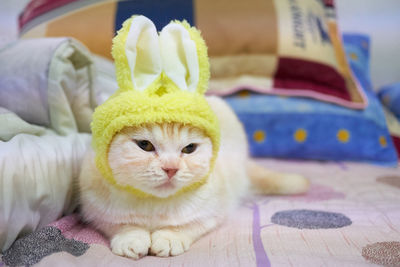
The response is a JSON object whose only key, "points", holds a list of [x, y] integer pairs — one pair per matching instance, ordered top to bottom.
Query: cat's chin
{"points": [[166, 186], [164, 190], [164, 193]]}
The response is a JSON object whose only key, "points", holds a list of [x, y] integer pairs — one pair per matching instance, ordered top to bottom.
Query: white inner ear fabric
{"points": [[142, 50], [179, 57]]}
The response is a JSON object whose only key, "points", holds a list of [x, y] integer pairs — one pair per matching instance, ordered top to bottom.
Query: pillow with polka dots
{"points": [[390, 97], [300, 128]]}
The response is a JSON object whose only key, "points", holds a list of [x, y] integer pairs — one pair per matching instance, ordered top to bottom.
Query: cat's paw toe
{"points": [[169, 243], [134, 244], [160, 247]]}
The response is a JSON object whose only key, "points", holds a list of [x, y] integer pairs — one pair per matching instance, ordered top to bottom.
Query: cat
{"points": [[160, 159]]}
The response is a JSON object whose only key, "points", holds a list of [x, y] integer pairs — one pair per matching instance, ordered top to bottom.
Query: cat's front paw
{"points": [[166, 243], [133, 244]]}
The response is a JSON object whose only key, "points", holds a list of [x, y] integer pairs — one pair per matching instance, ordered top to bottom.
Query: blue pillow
{"points": [[356, 47], [390, 97], [301, 128]]}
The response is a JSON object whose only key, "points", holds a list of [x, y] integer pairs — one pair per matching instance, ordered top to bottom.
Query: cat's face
{"points": [[160, 159]]}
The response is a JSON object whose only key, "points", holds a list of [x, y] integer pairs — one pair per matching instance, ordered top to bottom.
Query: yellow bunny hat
{"points": [[162, 78]]}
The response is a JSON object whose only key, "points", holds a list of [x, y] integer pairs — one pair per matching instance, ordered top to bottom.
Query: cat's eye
{"points": [[145, 145], [189, 148]]}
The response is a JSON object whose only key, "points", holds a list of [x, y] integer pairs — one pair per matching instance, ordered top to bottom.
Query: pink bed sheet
{"points": [[350, 217]]}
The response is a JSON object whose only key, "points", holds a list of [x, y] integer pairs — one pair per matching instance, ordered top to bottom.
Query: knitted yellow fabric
{"points": [[161, 102]]}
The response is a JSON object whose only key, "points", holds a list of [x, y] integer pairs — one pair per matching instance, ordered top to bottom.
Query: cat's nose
{"points": [[170, 172]]}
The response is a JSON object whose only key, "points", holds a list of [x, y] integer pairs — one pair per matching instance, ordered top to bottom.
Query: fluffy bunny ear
{"points": [[142, 49], [136, 51], [184, 56]]}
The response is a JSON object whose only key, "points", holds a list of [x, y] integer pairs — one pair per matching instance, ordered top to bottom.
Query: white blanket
{"points": [[48, 91]]}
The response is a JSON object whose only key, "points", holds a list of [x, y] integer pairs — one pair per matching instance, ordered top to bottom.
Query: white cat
{"points": [[160, 160]]}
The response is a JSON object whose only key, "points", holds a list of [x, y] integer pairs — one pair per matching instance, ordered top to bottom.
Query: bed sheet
{"points": [[350, 217]]}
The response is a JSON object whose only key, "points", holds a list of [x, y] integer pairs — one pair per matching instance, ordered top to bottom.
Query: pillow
{"points": [[281, 47], [357, 50], [390, 97], [290, 127], [394, 129]]}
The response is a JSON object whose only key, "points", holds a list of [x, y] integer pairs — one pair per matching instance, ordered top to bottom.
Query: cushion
{"points": [[280, 47], [390, 97], [291, 127], [394, 129]]}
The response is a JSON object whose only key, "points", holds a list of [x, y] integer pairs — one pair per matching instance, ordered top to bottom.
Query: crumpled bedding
{"points": [[48, 91]]}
